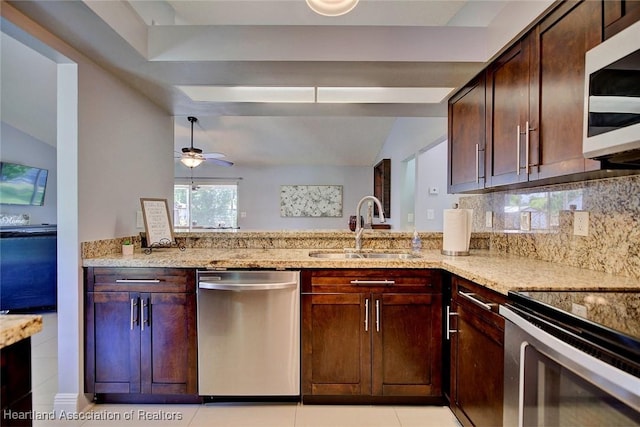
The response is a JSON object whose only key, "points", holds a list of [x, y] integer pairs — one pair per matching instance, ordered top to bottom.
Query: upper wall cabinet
{"points": [[534, 105], [507, 115], [467, 137], [553, 142]]}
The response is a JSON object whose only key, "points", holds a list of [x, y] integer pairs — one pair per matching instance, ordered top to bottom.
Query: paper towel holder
{"points": [[450, 252]]}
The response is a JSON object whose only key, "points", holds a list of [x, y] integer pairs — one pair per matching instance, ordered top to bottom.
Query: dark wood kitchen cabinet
{"points": [[559, 44], [535, 102], [507, 115], [467, 137], [476, 334], [140, 336], [371, 336]]}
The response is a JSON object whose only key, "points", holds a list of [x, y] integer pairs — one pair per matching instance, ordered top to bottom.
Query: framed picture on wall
{"points": [[382, 187]]}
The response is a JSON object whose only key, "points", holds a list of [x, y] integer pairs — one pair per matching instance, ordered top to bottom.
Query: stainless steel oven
{"points": [[563, 369]]}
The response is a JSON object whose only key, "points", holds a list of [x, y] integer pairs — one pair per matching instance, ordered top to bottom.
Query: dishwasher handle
{"points": [[240, 287]]}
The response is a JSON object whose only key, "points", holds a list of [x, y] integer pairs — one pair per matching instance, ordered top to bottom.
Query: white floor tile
{"points": [[42, 370], [45, 393], [141, 415], [245, 415], [346, 416], [425, 416]]}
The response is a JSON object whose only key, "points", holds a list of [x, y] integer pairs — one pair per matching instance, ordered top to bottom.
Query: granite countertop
{"points": [[495, 271], [16, 327]]}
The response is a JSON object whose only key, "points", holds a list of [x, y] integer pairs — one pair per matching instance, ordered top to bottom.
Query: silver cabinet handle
{"points": [[526, 147], [518, 151], [477, 163], [138, 281], [373, 282], [470, 296], [134, 304], [143, 308], [366, 315], [377, 315], [448, 323]]}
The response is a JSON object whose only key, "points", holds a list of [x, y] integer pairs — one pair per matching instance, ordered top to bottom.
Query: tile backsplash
{"points": [[613, 241]]}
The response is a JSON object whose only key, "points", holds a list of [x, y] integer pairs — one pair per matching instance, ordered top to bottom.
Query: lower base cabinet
{"points": [[140, 334], [476, 334], [371, 336]]}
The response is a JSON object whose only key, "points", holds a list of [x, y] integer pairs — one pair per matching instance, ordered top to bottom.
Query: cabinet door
{"points": [[557, 96], [507, 115], [467, 137], [113, 343], [336, 344], [407, 344], [168, 350], [477, 359]]}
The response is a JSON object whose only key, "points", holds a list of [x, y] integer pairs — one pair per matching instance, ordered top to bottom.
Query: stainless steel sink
{"points": [[363, 255]]}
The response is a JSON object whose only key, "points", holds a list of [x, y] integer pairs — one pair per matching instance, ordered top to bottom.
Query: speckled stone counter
{"points": [[500, 272], [16, 327]]}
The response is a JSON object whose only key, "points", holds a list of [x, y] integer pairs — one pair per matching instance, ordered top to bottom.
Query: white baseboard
{"points": [[71, 402]]}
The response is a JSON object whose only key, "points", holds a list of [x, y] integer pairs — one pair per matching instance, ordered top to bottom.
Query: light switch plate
{"points": [[525, 221], [581, 223]]}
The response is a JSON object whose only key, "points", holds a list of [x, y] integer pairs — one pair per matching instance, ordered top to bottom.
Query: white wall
{"points": [[408, 138], [114, 146], [18, 147], [432, 173], [259, 192]]}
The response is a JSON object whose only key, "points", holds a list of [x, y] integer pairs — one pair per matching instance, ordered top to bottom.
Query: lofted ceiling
{"points": [[158, 46]]}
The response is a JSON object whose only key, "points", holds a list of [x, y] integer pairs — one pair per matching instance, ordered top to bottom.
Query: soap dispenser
{"points": [[416, 242]]}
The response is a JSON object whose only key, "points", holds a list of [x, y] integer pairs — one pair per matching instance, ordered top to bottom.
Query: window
{"points": [[205, 206]]}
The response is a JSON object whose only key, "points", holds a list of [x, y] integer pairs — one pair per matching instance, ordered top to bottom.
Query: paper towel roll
{"points": [[456, 233]]}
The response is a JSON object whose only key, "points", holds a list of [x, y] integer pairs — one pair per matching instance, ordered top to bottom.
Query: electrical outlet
{"points": [[243, 214], [430, 214], [410, 218], [488, 219], [525, 221], [581, 223], [579, 310]]}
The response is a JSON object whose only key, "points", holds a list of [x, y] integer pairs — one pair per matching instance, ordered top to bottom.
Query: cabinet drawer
{"points": [[133, 279], [376, 280], [480, 301]]}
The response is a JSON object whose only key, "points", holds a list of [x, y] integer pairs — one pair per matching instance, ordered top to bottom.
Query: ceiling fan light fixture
{"points": [[332, 7], [192, 160]]}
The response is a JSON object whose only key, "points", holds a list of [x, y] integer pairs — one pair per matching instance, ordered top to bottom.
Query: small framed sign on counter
{"points": [[157, 222]]}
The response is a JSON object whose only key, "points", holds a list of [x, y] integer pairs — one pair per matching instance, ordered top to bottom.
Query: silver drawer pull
{"points": [[138, 281], [373, 282], [470, 296], [134, 305], [366, 315], [377, 315], [448, 323]]}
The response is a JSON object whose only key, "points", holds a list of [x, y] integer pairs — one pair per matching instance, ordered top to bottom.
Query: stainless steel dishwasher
{"points": [[249, 333]]}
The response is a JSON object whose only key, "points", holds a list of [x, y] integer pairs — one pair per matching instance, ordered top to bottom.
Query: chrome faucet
{"points": [[359, 228]]}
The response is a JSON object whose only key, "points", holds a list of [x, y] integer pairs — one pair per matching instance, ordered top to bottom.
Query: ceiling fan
{"points": [[192, 157]]}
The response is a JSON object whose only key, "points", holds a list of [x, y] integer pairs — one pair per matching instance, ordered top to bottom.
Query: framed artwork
{"points": [[382, 187], [311, 201], [157, 221]]}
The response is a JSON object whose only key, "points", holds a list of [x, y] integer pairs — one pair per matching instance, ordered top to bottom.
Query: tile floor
{"points": [[45, 382]]}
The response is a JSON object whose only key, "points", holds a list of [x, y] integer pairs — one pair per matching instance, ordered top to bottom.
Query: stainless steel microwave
{"points": [[612, 100]]}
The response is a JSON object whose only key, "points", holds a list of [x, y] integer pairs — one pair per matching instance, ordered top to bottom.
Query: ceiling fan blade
{"points": [[213, 155], [220, 162]]}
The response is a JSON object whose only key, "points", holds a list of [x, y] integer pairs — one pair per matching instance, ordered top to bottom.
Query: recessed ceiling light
{"points": [[332, 7], [249, 93], [383, 95]]}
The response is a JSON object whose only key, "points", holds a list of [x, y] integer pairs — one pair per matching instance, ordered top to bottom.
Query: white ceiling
{"points": [[156, 46]]}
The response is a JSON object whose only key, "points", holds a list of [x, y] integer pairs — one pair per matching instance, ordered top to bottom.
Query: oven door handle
{"points": [[621, 385]]}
